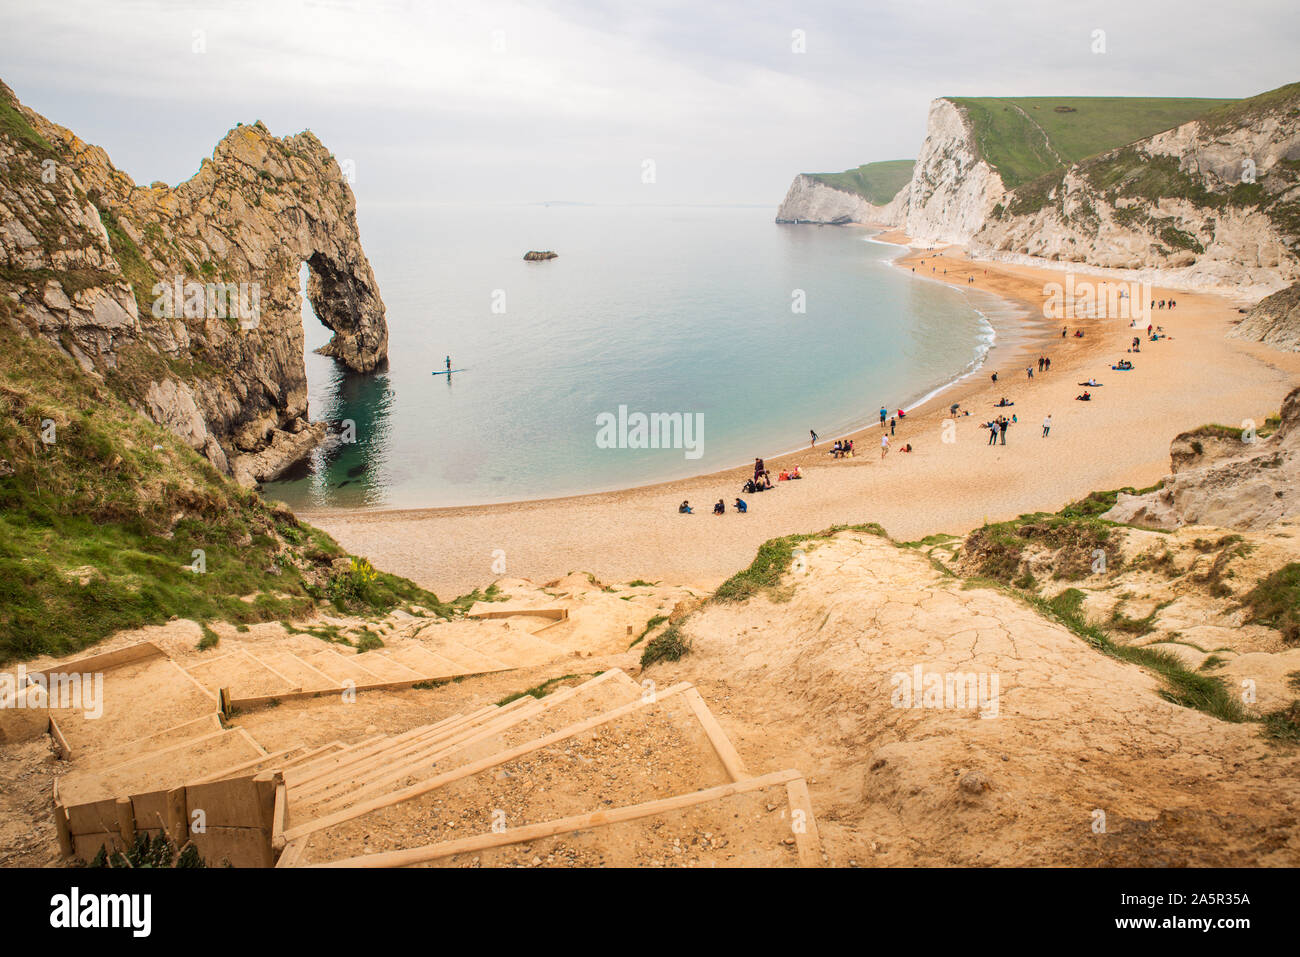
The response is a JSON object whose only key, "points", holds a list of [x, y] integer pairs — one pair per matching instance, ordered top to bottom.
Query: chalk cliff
{"points": [[953, 187], [811, 201], [1213, 203], [186, 300], [1274, 320], [1225, 478]]}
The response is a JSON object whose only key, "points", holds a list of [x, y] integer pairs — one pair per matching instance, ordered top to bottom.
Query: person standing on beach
{"points": [[1030, 371], [883, 412], [892, 420], [1002, 424], [1047, 425], [993, 432], [814, 439], [884, 447], [758, 469]]}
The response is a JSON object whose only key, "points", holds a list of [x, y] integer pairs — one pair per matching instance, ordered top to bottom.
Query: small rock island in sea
{"points": [[534, 255]]}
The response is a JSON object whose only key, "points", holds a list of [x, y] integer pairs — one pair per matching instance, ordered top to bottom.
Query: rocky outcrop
{"points": [[953, 189], [814, 202], [1213, 203], [537, 256], [186, 300], [1275, 320], [1224, 480]]}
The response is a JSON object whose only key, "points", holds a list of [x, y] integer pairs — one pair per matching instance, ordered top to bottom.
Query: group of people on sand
{"points": [[1170, 303], [998, 427], [842, 449], [760, 482]]}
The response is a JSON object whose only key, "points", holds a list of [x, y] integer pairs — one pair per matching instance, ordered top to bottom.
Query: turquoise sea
{"points": [[690, 310]]}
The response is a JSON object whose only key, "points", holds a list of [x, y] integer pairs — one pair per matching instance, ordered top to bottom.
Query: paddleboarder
{"points": [[448, 365]]}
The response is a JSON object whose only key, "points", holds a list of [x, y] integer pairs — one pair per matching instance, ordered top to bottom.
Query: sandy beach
{"points": [[1121, 438]]}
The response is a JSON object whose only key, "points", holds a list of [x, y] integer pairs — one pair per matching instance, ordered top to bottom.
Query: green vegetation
{"points": [[15, 125], [1026, 137], [877, 183], [135, 267], [115, 523], [774, 559], [1275, 602], [650, 626], [210, 638], [671, 645], [1184, 687], [538, 691], [1284, 724], [150, 853]]}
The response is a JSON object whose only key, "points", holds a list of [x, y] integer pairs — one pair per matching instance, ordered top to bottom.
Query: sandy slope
{"points": [[1121, 438], [1080, 761]]}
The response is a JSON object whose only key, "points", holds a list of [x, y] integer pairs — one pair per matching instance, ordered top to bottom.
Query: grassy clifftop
{"points": [[1025, 137], [877, 183], [108, 521]]}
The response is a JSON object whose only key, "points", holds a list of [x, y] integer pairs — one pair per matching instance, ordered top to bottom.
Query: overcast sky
{"points": [[487, 100]]}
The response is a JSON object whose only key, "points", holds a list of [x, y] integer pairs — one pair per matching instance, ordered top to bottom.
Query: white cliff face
{"points": [[953, 189], [810, 201], [1195, 233]]}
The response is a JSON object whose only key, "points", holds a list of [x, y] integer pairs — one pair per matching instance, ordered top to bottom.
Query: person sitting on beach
{"points": [[1078, 333], [1086, 397], [837, 448], [848, 448], [906, 448], [795, 473], [784, 476], [767, 479], [749, 488], [741, 507], [684, 508], [720, 508]]}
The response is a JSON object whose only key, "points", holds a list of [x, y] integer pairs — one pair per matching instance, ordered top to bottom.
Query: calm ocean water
{"points": [[657, 309]]}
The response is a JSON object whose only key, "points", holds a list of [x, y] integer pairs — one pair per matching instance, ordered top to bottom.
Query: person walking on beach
{"points": [[1030, 371], [892, 420], [1047, 425], [814, 439], [884, 447]]}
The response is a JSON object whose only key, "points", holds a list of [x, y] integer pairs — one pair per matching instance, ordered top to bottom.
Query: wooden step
{"points": [[341, 668], [387, 668], [241, 672]]}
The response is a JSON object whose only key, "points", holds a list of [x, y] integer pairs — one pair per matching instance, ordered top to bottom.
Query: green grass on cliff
{"points": [[1026, 137], [877, 183], [99, 527]]}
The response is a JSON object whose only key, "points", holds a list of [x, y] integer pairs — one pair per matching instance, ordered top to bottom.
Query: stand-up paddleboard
{"points": [[447, 371]]}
